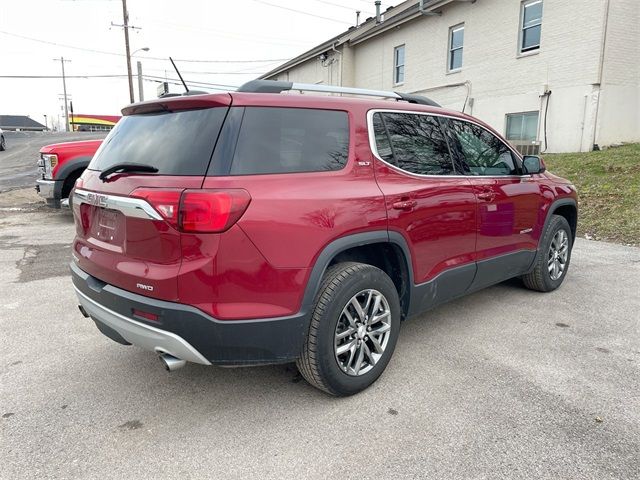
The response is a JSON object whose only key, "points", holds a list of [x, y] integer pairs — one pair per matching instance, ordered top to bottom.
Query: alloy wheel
{"points": [[558, 254], [362, 332]]}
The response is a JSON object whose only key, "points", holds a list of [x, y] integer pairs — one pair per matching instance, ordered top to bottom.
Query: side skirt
{"points": [[466, 279]]}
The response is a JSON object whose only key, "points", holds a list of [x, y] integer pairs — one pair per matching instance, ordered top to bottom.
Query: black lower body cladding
{"points": [[231, 342]]}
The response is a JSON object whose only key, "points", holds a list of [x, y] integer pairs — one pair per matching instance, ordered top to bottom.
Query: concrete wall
{"points": [[496, 80]]}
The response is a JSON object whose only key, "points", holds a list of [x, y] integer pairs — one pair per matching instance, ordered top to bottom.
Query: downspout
{"points": [[423, 11], [603, 45], [333, 47], [466, 83]]}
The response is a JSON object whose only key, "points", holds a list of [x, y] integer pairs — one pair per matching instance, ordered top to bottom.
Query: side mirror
{"points": [[532, 164]]}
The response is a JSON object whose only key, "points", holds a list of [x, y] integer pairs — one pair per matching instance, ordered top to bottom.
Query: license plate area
{"points": [[108, 226]]}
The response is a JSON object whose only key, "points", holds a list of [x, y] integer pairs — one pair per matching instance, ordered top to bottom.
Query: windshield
{"points": [[176, 143]]}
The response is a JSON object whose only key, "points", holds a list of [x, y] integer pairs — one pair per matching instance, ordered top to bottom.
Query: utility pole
{"points": [[125, 15], [125, 26], [64, 89], [140, 89]]}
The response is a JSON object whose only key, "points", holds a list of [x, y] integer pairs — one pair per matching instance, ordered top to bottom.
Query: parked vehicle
{"points": [[3, 143], [60, 165], [250, 227]]}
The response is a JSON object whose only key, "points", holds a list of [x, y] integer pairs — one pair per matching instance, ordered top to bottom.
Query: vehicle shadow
{"points": [[207, 388]]}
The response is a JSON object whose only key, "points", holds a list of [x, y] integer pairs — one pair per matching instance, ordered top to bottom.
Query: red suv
{"points": [[256, 227]]}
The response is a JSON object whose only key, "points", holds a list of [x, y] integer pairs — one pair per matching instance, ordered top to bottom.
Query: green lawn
{"points": [[608, 184]]}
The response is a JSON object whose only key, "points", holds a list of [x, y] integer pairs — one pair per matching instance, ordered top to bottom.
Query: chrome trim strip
{"points": [[311, 87], [374, 147], [131, 207], [140, 334]]}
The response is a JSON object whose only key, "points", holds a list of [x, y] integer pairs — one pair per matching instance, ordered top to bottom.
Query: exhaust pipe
{"points": [[172, 363]]}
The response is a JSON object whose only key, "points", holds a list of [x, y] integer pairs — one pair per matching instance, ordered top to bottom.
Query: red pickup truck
{"points": [[60, 165]]}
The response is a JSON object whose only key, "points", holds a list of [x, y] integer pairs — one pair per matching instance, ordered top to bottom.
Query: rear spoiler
{"points": [[177, 103]]}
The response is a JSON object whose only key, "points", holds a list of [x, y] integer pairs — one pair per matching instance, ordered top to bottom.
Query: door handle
{"points": [[488, 196], [404, 205]]}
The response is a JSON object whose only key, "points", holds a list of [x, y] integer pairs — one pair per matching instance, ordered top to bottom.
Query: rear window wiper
{"points": [[126, 167]]}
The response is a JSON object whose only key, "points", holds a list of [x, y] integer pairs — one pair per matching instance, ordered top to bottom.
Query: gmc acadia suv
{"points": [[256, 227]]}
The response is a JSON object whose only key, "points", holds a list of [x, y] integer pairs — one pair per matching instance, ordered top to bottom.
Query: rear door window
{"points": [[289, 140], [176, 143], [415, 143]]}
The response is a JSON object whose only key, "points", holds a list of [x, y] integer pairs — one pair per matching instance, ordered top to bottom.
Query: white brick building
{"points": [[517, 64]]}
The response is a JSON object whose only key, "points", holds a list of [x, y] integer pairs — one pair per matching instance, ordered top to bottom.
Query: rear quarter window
{"points": [[289, 140], [176, 143]]}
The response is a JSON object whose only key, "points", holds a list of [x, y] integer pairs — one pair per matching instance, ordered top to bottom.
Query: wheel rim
{"points": [[558, 254], [362, 332]]}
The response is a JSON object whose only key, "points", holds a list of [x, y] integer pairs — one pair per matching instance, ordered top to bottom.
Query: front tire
{"points": [[3, 145], [553, 258], [353, 331]]}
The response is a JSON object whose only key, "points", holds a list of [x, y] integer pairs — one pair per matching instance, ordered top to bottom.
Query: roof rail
{"points": [[273, 86]]}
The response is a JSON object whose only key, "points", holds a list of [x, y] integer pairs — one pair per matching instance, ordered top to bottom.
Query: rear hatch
{"points": [[126, 221]]}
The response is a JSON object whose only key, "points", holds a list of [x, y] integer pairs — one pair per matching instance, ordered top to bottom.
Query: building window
{"points": [[531, 25], [456, 42], [398, 65], [522, 127]]}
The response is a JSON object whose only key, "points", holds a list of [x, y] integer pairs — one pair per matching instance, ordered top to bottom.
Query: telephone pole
{"points": [[125, 26], [140, 86], [64, 89]]}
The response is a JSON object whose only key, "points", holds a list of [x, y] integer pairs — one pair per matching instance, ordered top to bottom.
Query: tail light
{"points": [[165, 201], [212, 210], [204, 211]]}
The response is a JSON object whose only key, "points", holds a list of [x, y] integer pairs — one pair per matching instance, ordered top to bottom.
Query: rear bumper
{"points": [[186, 332]]}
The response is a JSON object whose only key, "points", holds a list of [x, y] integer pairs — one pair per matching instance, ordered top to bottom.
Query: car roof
{"points": [[244, 99], [292, 100]]}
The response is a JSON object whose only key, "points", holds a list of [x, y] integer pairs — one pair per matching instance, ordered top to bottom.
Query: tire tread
{"points": [[535, 280], [308, 362]]}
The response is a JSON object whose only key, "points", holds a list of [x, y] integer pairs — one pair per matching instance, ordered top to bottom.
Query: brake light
{"points": [[165, 201], [205, 211], [210, 211]]}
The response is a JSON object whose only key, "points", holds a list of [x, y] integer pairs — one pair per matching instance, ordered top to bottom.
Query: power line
{"points": [[343, 6], [301, 12], [237, 36], [39, 40], [220, 61], [197, 72], [60, 76], [149, 77], [164, 79]]}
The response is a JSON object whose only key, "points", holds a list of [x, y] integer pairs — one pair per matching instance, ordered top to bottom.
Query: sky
{"points": [[222, 43]]}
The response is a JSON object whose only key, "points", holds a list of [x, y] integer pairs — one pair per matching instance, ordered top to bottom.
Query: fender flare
{"points": [[560, 202], [342, 244]]}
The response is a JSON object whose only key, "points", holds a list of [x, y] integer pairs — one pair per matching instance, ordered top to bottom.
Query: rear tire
{"points": [[3, 145], [553, 258], [347, 348]]}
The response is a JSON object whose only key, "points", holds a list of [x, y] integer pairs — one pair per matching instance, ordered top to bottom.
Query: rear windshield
{"points": [[288, 140], [179, 143]]}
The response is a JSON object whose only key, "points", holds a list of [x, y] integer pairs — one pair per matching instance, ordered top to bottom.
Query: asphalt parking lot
{"points": [[19, 163], [506, 383]]}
